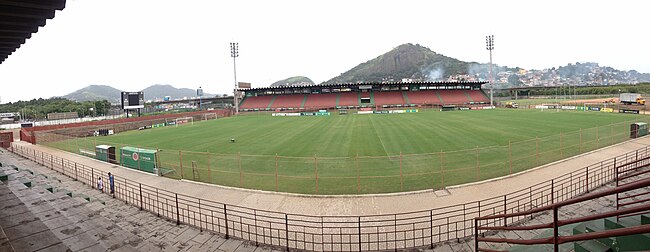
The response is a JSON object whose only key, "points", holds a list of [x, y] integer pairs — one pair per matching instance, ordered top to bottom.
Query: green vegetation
{"points": [[296, 80], [643, 88], [39, 108], [370, 153]]}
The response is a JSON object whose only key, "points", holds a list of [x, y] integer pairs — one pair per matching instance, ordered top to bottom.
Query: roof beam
{"points": [[36, 4], [13, 11], [21, 21], [15, 28], [7, 34]]}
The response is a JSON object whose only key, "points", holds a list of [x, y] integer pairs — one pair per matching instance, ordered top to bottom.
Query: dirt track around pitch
{"points": [[359, 204]]}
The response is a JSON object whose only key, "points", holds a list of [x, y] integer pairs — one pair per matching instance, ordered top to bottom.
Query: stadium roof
{"points": [[19, 19], [432, 83]]}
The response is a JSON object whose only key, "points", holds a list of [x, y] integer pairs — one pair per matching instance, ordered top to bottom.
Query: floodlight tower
{"points": [[489, 45], [234, 53]]}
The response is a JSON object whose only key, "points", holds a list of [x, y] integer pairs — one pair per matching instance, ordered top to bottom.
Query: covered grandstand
{"points": [[363, 95]]}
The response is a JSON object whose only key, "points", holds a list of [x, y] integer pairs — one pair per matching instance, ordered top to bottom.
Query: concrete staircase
{"points": [[57, 213]]}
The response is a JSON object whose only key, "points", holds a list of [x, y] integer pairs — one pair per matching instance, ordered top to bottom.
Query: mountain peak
{"points": [[412, 61], [293, 81]]}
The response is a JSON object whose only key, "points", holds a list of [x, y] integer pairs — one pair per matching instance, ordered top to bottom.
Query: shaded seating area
{"points": [[453, 96], [477, 96], [423, 97], [389, 98], [348, 99], [293, 101], [320, 101], [256, 102]]}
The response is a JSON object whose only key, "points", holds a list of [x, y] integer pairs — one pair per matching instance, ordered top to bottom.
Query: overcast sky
{"points": [[131, 44]]}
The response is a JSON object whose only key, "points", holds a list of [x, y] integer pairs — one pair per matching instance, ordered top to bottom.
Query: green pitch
{"points": [[350, 154]]}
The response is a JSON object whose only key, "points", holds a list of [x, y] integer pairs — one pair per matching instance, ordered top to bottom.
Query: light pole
{"points": [[489, 45], [234, 53]]}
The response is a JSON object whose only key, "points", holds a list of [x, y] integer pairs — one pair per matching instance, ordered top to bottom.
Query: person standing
{"points": [[111, 182], [100, 184]]}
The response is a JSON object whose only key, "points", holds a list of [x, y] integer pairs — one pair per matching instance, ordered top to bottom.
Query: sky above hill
{"points": [[131, 44]]}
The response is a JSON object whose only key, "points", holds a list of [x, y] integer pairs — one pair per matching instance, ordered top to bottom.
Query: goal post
{"points": [[555, 106], [209, 116], [184, 120]]}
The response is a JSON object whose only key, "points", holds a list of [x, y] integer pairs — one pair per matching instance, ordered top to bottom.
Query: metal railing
{"points": [[629, 169], [343, 233]]}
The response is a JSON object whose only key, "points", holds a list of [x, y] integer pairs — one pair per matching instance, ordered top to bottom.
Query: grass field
{"points": [[370, 153]]}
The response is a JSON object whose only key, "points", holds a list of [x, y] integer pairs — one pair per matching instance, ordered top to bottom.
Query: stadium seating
{"points": [[453, 96], [477, 96], [423, 97], [389, 98], [348, 99], [288, 101], [316, 101], [256, 102]]}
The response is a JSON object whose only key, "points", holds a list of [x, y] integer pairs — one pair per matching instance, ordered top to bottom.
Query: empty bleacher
{"points": [[453, 96], [477, 96], [423, 97], [389, 98], [348, 99], [293, 101], [316, 101], [256, 102]]}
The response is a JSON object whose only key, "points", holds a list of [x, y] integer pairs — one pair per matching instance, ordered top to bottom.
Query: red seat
{"points": [[389, 98], [288, 101], [320, 101], [256, 102]]}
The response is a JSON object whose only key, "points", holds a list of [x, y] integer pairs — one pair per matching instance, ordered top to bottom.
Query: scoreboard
{"points": [[132, 100]]}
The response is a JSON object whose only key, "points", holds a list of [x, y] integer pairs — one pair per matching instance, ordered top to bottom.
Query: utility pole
{"points": [[489, 45], [234, 53]]}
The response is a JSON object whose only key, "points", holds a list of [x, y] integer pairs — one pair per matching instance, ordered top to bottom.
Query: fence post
{"points": [[612, 133], [597, 139], [580, 140], [561, 147], [536, 150], [510, 155], [180, 159], [356, 162], [209, 166], [478, 166], [442, 170], [276, 172], [315, 173], [76, 176], [241, 176], [401, 176], [92, 177], [587, 178], [616, 179], [552, 191], [140, 196], [157, 203], [505, 209], [178, 216], [225, 216], [431, 227], [286, 229], [555, 230], [359, 233], [476, 248]]}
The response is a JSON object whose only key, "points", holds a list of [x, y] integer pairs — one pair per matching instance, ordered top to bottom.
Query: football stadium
{"points": [[359, 139], [348, 166]]}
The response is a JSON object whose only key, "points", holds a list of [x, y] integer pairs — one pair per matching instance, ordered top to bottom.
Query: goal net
{"points": [[208, 116], [184, 120]]}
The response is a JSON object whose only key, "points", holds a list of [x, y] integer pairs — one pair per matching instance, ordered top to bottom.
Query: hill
{"points": [[405, 61], [293, 81], [159, 91], [153, 92], [95, 93]]}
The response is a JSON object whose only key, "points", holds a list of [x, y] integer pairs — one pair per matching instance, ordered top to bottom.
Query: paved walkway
{"points": [[362, 204]]}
